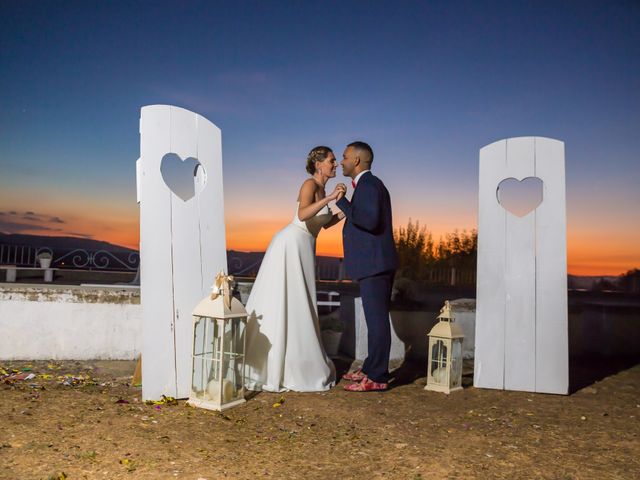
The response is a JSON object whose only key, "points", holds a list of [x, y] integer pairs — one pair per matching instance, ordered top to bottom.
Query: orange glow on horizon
{"points": [[125, 238], [330, 244], [590, 250]]}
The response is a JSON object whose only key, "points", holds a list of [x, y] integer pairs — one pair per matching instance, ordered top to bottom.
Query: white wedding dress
{"points": [[284, 350]]}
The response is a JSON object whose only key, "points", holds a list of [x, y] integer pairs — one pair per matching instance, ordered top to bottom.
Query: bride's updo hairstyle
{"points": [[317, 154]]}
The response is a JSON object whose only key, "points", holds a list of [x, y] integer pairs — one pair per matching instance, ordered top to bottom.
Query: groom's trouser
{"points": [[375, 292]]}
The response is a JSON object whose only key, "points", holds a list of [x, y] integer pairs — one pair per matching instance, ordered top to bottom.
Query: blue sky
{"points": [[426, 83]]}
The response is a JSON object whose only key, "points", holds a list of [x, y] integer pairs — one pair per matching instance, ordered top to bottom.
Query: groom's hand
{"points": [[342, 190]]}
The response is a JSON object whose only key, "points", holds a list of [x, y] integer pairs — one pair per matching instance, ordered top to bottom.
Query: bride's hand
{"points": [[338, 192]]}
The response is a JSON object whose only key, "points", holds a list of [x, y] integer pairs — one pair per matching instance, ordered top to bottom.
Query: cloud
{"points": [[243, 78], [240, 94], [231, 104], [31, 216], [32, 222], [9, 227], [17, 227], [81, 235]]}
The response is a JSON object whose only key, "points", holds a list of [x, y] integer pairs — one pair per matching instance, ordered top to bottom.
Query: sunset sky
{"points": [[427, 84]]}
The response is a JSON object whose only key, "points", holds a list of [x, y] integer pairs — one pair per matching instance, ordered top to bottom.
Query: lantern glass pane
{"points": [[239, 335], [206, 360], [233, 361], [456, 363], [438, 367], [197, 380]]}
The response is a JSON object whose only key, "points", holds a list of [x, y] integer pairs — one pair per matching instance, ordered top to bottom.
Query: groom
{"points": [[371, 259]]}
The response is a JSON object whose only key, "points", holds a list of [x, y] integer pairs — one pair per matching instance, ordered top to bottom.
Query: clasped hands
{"points": [[338, 192]]}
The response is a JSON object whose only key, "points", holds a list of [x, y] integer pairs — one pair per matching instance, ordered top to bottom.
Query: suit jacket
{"points": [[367, 234]]}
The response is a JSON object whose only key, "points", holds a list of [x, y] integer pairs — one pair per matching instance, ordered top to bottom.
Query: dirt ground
{"points": [[82, 420]]}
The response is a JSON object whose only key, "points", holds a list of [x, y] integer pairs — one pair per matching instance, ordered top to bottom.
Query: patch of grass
{"points": [[88, 455], [58, 476]]}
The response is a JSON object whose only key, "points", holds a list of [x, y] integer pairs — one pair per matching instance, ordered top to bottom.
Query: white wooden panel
{"points": [[184, 134], [520, 158], [138, 180], [186, 259], [187, 272], [519, 277], [520, 303], [490, 308], [521, 326], [158, 364], [552, 371]]}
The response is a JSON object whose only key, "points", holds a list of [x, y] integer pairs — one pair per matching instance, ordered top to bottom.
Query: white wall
{"points": [[73, 323], [412, 327]]}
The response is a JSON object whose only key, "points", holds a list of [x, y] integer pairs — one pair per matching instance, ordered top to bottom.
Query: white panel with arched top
{"points": [[182, 238], [521, 321]]}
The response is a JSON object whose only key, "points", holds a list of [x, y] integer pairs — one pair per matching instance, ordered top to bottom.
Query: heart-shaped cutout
{"points": [[183, 177], [520, 197]]}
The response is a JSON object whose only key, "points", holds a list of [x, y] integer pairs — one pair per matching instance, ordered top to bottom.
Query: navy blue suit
{"points": [[370, 257]]}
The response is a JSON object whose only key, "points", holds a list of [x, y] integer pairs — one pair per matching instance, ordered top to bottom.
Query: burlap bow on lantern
{"points": [[222, 286]]}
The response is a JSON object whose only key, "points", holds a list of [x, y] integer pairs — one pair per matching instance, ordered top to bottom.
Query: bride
{"points": [[284, 351]]}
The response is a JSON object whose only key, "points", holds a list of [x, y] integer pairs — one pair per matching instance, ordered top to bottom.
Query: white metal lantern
{"points": [[219, 322], [444, 372]]}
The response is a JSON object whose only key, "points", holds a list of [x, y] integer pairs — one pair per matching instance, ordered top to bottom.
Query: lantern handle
{"points": [[446, 312]]}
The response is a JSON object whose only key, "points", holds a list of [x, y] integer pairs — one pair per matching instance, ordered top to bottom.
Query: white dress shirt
{"points": [[355, 180]]}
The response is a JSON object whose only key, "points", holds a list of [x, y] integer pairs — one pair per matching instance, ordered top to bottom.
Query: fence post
{"points": [[341, 272]]}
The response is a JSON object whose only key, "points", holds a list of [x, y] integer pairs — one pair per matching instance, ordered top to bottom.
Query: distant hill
{"points": [[62, 243], [240, 263]]}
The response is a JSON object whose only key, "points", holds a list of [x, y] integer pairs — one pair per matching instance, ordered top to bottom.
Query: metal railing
{"points": [[79, 258], [128, 261], [240, 267], [450, 276]]}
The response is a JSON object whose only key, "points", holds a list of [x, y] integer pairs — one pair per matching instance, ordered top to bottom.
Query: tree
{"points": [[415, 249], [458, 249], [630, 281]]}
